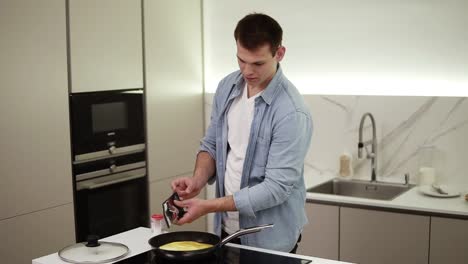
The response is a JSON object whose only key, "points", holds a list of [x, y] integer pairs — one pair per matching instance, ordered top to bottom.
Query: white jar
{"points": [[427, 176], [156, 224]]}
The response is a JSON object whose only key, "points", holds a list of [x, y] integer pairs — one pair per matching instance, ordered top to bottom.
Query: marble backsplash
{"points": [[405, 126]]}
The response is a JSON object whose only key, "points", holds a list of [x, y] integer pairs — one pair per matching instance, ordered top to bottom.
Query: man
{"points": [[255, 146]]}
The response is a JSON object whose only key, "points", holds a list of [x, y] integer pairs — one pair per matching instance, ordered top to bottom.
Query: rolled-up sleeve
{"points": [[208, 142], [284, 169]]}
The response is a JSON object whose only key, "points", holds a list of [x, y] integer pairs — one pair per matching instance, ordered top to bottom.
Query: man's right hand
{"points": [[187, 187]]}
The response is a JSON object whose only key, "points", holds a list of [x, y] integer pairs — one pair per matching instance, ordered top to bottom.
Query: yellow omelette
{"points": [[185, 246]]}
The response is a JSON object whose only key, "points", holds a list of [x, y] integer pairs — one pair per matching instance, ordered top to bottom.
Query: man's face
{"points": [[258, 66]]}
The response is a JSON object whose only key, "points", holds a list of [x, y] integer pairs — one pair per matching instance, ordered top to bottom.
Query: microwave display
{"points": [[109, 116]]}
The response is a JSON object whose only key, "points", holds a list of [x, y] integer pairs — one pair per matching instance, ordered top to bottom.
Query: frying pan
{"points": [[202, 237]]}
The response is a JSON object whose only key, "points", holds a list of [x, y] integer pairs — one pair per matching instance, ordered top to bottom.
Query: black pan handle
{"points": [[244, 231]]}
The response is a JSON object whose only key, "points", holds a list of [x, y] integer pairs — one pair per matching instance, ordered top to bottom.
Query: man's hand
{"points": [[186, 187], [189, 187], [195, 208]]}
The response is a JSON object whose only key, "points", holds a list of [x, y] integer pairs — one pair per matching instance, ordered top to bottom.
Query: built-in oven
{"points": [[106, 123], [109, 162], [111, 195]]}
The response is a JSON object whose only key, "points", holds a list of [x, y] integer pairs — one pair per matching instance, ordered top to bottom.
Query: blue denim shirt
{"points": [[272, 183]]}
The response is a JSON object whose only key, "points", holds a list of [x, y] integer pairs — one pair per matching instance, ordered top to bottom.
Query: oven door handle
{"points": [[100, 182], [104, 184]]}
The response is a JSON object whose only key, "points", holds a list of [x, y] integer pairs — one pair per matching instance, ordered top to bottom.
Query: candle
{"points": [[426, 175]]}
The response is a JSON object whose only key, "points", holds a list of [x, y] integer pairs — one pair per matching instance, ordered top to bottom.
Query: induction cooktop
{"points": [[227, 255]]}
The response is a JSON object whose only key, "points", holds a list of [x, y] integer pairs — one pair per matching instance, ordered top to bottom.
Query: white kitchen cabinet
{"points": [[105, 45], [174, 92], [174, 95], [35, 134], [36, 215], [36, 234], [320, 236], [368, 236], [448, 241]]}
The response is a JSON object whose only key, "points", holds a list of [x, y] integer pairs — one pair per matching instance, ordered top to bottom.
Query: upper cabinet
{"points": [[105, 45], [174, 86], [35, 134]]}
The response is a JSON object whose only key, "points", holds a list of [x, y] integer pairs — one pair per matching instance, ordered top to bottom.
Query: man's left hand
{"points": [[195, 208]]}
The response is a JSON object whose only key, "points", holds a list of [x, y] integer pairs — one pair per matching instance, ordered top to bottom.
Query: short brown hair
{"points": [[255, 30]]}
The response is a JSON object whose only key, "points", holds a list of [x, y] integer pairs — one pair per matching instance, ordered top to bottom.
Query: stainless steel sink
{"points": [[361, 189]]}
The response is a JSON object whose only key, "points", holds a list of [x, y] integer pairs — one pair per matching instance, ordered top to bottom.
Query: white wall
{"points": [[371, 47], [404, 125]]}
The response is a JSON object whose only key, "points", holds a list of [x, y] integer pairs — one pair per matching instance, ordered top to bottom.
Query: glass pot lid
{"points": [[93, 251]]}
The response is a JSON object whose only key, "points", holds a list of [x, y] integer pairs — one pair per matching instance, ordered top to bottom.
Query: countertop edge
{"points": [[410, 202], [387, 208], [313, 259]]}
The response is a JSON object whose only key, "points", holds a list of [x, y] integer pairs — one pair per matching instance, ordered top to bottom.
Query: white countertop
{"points": [[411, 200], [137, 241]]}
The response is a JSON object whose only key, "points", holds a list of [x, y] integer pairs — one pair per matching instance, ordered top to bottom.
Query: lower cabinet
{"points": [[33, 235], [320, 236], [368, 236], [371, 236], [449, 241]]}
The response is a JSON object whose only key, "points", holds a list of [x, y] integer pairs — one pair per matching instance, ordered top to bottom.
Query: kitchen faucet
{"points": [[373, 154]]}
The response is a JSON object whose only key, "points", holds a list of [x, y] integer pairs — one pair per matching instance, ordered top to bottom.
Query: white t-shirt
{"points": [[240, 118]]}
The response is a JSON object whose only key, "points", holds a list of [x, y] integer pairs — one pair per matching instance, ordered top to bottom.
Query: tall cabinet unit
{"points": [[105, 45], [174, 93], [108, 124], [36, 189]]}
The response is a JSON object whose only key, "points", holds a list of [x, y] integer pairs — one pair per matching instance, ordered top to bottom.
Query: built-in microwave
{"points": [[106, 124]]}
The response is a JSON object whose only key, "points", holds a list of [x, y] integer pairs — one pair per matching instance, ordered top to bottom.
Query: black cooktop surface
{"points": [[227, 255]]}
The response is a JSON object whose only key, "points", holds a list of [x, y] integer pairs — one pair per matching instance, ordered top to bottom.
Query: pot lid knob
{"points": [[92, 241]]}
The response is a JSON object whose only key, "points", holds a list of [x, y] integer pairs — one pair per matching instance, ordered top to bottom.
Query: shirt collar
{"points": [[273, 87], [269, 92]]}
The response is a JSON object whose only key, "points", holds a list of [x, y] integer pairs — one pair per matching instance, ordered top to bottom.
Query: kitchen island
{"points": [[137, 241]]}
